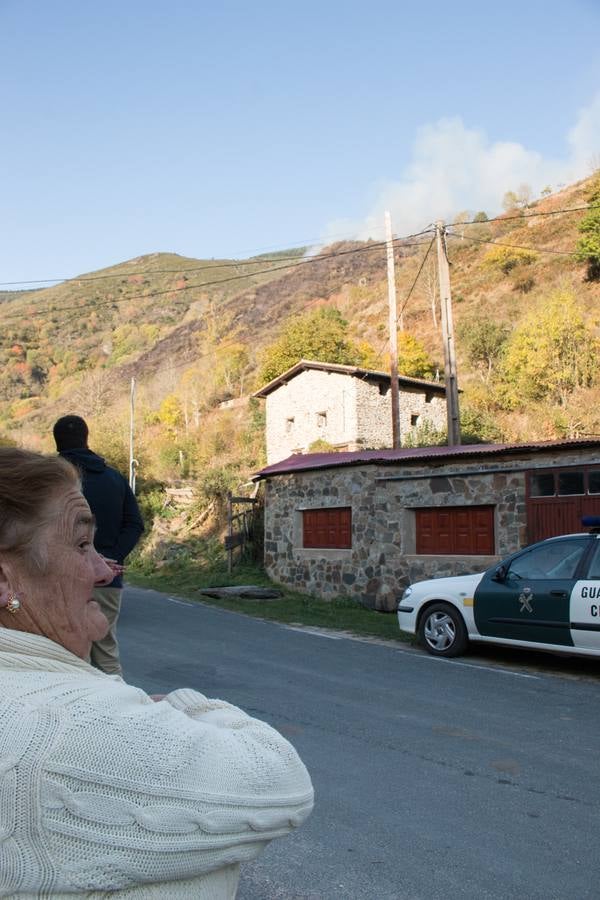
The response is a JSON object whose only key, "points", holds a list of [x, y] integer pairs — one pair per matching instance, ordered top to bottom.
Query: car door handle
{"points": [[558, 594]]}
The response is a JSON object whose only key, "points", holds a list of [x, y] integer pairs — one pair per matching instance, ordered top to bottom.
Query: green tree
{"points": [[481, 216], [588, 246], [320, 335], [483, 342], [550, 353], [413, 359]]}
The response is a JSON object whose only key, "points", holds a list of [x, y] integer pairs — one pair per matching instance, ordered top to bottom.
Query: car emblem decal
{"points": [[524, 599]]}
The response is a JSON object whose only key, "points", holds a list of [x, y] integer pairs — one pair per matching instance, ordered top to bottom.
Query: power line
{"points": [[503, 218], [403, 242], [515, 246], [250, 261], [256, 261], [423, 261], [296, 262], [226, 265], [180, 271], [407, 298]]}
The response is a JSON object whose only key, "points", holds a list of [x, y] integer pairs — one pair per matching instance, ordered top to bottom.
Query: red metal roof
{"points": [[302, 462]]}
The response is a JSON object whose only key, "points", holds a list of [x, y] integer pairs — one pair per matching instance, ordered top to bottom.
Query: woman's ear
{"points": [[5, 589]]}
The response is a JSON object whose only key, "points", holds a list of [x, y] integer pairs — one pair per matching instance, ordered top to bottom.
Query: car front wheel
{"points": [[442, 630]]}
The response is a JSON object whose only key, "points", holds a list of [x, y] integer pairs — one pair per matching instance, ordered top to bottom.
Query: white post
{"points": [[448, 337], [132, 460]]}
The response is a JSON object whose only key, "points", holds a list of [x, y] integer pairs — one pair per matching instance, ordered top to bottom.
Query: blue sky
{"points": [[223, 129]]}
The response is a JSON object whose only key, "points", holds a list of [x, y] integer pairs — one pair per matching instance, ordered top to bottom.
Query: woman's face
{"points": [[58, 602]]}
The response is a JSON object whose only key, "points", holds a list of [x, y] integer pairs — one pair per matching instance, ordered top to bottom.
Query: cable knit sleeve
{"points": [[138, 792]]}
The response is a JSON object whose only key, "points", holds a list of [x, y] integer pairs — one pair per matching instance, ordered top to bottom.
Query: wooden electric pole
{"points": [[393, 328], [448, 337]]}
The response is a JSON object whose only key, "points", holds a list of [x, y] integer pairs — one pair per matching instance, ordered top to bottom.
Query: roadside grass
{"points": [[340, 614]]}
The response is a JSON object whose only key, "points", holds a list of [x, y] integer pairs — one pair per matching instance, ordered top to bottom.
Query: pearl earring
{"points": [[14, 604]]}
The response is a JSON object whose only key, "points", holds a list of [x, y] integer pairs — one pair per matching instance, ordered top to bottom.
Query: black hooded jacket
{"points": [[119, 524]]}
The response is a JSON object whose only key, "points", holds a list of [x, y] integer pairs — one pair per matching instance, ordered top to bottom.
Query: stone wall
{"points": [[312, 405], [374, 413], [382, 560]]}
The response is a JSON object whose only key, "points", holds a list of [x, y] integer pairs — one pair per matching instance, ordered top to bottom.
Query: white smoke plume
{"points": [[454, 167]]}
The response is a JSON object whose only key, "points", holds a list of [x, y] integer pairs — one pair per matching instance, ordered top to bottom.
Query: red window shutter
{"points": [[327, 528], [459, 530], [483, 530], [442, 534]]}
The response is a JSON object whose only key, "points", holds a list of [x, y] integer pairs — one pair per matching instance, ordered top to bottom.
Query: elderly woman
{"points": [[102, 789]]}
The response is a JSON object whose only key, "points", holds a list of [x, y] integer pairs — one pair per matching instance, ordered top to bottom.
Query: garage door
{"points": [[557, 499]]}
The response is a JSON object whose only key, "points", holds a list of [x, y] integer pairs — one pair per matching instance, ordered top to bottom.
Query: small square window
{"points": [[321, 419], [414, 421], [289, 424], [594, 481], [570, 483], [542, 484]]}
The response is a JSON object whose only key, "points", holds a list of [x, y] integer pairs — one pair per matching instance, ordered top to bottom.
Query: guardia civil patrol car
{"points": [[546, 596]]}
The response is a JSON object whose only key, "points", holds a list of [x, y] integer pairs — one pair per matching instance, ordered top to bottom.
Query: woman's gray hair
{"points": [[29, 482]]}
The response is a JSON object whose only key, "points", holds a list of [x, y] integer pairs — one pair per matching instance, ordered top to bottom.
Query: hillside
{"points": [[191, 331]]}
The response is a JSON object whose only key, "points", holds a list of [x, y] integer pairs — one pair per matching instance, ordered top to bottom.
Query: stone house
{"points": [[346, 406], [365, 524]]}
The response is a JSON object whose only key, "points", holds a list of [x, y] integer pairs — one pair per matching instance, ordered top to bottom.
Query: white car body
{"points": [[457, 590], [565, 609]]}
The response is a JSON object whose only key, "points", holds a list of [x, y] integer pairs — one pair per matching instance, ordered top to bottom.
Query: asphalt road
{"points": [[470, 778]]}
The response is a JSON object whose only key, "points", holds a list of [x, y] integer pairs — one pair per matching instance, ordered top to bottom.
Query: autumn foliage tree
{"points": [[322, 335], [551, 352], [413, 359]]}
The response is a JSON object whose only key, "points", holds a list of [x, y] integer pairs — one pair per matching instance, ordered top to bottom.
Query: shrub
{"points": [[508, 258], [524, 285], [478, 427], [425, 435], [321, 446], [214, 484]]}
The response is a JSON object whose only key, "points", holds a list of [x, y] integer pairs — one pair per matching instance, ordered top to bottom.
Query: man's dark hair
{"points": [[70, 433]]}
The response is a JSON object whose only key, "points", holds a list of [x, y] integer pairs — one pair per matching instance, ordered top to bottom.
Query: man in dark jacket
{"points": [[119, 525]]}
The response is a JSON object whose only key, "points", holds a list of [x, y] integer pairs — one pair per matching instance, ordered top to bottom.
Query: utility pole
{"points": [[393, 329], [448, 337], [132, 460]]}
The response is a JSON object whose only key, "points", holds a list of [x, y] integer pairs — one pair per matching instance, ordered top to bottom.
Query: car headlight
{"points": [[407, 593]]}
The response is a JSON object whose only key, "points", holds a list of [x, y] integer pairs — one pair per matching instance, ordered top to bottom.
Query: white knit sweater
{"points": [[102, 790]]}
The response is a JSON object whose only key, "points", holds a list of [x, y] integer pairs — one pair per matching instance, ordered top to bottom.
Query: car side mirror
{"points": [[500, 574]]}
